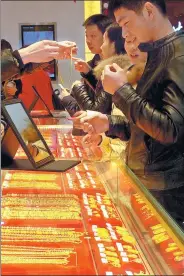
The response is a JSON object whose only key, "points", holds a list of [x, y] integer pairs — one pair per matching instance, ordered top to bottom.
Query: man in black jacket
{"points": [[155, 110]]}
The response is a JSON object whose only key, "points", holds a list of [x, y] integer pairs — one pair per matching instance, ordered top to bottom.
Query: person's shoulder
{"points": [[178, 44], [93, 62]]}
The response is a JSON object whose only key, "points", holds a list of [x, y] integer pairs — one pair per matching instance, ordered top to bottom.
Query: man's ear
{"points": [[149, 11]]}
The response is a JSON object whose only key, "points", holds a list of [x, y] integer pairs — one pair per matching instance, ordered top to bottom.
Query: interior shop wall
{"points": [[68, 16]]}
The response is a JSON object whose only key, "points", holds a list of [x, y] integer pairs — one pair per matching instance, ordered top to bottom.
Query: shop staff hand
{"points": [[67, 49], [42, 51], [81, 65], [113, 77], [92, 122], [2, 130]]}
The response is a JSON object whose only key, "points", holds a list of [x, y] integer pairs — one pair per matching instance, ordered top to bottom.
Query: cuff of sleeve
{"points": [[17, 56], [87, 75], [125, 92], [109, 133], [104, 141]]}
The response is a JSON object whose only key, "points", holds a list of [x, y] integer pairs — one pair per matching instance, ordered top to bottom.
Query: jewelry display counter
{"points": [[94, 219]]}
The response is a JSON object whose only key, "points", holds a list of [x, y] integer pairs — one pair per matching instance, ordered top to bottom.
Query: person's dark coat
{"points": [[155, 114]]}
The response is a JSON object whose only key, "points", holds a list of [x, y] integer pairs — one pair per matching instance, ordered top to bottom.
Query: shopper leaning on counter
{"points": [[137, 60], [14, 64], [155, 110]]}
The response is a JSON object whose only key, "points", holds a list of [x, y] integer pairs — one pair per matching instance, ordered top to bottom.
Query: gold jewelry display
{"points": [[33, 177], [33, 185], [60, 196], [19, 200], [41, 213], [155, 227], [159, 231], [103, 233], [39, 234], [124, 235], [160, 238], [129, 239], [172, 244], [128, 247], [21, 248], [110, 248], [171, 249], [133, 251], [110, 253], [178, 253], [11, 254], [132, 256], [179, 258], [21, 260], [114, 261], [141, 273]]}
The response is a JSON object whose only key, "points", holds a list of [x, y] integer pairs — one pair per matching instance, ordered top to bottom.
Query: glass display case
{"points": [[95, 219]]}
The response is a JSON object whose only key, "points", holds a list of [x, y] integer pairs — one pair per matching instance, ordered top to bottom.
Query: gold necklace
{"points": [[29, 213]]}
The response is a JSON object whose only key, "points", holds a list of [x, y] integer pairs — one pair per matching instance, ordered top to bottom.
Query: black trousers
{"points": [[173, 202]]}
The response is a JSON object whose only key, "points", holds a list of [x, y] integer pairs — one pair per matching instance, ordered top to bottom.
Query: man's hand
{"points": [[81, 65], [113, 77], [77, 119], [92, 122], [92, 140]]}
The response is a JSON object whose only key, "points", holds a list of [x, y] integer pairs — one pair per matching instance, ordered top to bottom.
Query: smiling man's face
{"points": [[134, 24]]}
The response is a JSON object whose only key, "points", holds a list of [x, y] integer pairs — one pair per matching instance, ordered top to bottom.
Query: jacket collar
{"points": [[151, 46]]}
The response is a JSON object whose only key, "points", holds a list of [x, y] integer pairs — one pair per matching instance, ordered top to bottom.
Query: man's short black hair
{"points": [[136, 5], [100, 20]]}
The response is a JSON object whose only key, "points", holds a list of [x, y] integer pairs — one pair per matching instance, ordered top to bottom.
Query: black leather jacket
{"points": [[90, 77], [88, 94], [97, 100], [155, 113]]}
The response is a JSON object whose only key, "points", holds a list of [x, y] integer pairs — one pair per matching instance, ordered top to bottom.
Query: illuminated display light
{"points": [[179, 27]]}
